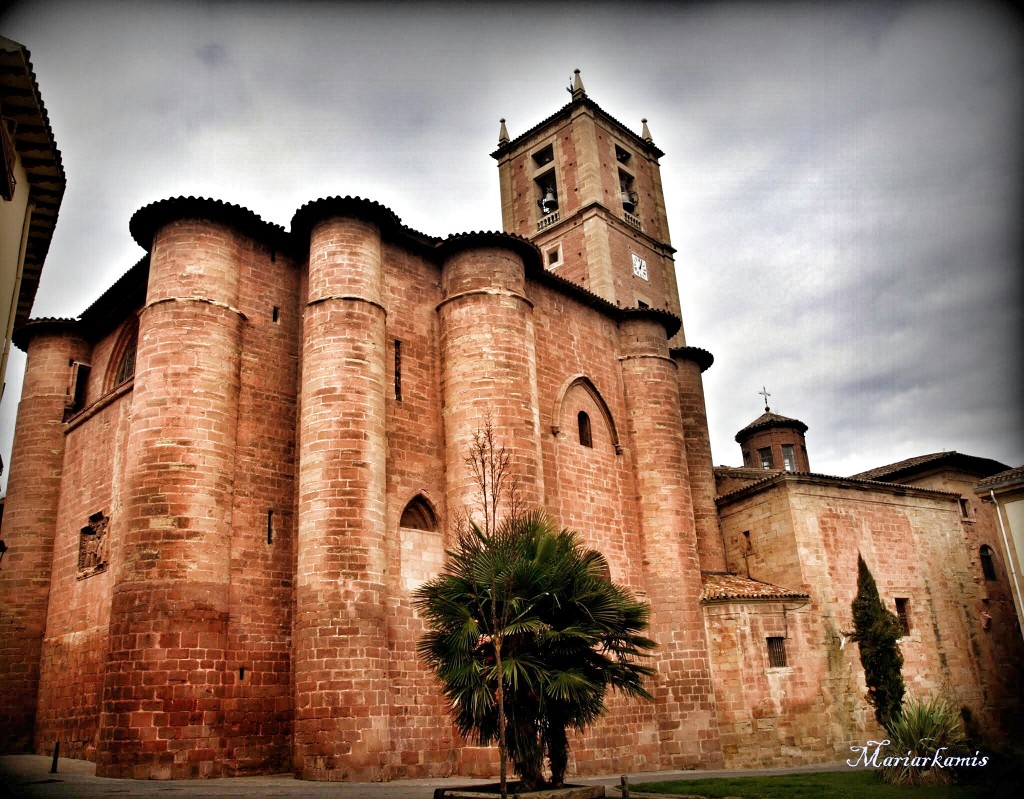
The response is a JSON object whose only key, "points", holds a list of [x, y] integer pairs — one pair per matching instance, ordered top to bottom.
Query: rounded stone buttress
{"points": [[690, 363], [488, 369], [30, 520], [340, 644], [684, 697], [162, 715]]}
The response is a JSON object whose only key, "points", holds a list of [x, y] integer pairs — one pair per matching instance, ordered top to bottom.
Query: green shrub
{"points": [[923, 737]]}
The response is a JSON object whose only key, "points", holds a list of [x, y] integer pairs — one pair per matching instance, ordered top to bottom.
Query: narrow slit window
{"points": [[276, 313], [398, 370], [586, 439], [270, 526], [777, 653]]}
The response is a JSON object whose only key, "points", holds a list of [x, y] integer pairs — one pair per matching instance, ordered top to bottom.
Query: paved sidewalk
{"points": [[29, 777]]}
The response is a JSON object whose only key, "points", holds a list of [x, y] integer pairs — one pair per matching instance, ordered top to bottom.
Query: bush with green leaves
{"points": [[527, 614], [877, 630], [923, 731]]}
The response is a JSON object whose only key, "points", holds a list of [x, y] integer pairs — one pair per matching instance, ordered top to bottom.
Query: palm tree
{"points": [[527, 615]]}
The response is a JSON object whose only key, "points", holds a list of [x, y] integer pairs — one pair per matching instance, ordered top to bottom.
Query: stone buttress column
{"points": [[690, 363], [488, 365], [30, 519], [340, 642], [683, 691], [162, 715]]}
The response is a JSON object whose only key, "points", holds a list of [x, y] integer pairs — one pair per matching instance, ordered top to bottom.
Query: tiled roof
{"points": [[564, 111], [701, 357], [769, 419], [893, 472], [1009, 476], [778, 477], [720, 587]]}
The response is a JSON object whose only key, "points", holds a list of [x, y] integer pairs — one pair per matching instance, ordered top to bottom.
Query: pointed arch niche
{"points": [[584, 382], [592, 476], [421, 543]]}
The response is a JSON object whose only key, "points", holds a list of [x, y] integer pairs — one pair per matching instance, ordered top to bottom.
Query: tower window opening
{"points": [[621, 155], [544, 156], [547, 193], [554, 257], [276, 314], [583, 421], [765, 456], [788, 458], [964, 509], [988, 565]]}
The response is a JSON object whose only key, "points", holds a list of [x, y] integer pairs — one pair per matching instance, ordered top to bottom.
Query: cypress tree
{"points": [[877, 629]]}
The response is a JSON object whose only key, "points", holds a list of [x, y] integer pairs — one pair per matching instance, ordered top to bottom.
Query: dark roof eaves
{"points": [[565, 110], [147, 220], [124, 296], [33, 327], [701, 357], [774, 420], [921, 463], [782, 597]]}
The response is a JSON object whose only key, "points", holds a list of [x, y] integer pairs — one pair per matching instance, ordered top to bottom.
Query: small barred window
{"points": [[777, 653]]}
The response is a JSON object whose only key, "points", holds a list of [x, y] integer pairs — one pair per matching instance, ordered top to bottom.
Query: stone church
{"points": [[233, 469]]}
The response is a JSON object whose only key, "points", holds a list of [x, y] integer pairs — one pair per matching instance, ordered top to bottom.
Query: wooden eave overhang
{"points": [[22, 103]]}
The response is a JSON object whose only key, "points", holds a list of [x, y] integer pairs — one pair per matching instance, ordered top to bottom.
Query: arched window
{"points": [[124, 355], [586, 439], [418, 516], [988, 565]]}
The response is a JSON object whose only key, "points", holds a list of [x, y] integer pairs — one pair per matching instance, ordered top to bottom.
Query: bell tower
{"points": [[587, 191]]}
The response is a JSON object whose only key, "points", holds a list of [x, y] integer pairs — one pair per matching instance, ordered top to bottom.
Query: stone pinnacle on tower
{"points": [[576, 89], [645, 133], [503, 134]]}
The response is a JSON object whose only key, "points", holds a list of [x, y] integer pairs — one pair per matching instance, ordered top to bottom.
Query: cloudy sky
{"points": [[843, 179]]}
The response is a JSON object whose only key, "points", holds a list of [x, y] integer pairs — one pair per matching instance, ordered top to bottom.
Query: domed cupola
{"points": [[772, 441]]}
